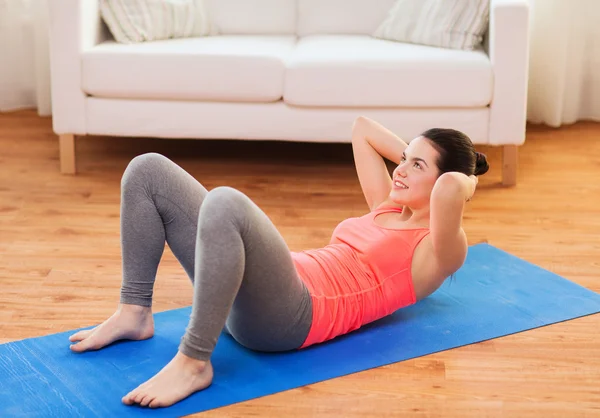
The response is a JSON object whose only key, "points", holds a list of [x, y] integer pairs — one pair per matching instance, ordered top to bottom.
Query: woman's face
{"points": [[415, 176]]}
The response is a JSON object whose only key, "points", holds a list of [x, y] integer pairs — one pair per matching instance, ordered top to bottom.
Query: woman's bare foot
{"points": [[129, 322], [176, 381]]}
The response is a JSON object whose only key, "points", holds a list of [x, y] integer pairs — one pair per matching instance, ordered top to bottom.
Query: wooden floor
{"points": [[60, 260]]}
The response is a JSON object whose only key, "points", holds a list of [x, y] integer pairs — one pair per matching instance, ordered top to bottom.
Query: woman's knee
{"points": [[142, 166], [227, 195], [225, 199], [224, 203]]}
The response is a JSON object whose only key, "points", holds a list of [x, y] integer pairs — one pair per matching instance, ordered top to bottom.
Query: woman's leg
{"points": [[159, 202], [244, 274]]}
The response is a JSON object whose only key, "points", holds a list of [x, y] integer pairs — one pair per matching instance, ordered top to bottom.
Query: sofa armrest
{"points": [[74, 26], [508, 49]]}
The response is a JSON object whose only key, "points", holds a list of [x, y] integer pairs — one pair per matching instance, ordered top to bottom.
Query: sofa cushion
{"points": [[253, 17], [342, 17], [149, 20], [458, 24], [225, 68], [355, 70]]}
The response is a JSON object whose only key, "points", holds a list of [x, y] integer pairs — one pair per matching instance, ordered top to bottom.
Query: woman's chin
{"points": [[397, 200]]}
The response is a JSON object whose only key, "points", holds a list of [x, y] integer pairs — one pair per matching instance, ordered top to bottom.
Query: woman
{"points": [[268, 298]]}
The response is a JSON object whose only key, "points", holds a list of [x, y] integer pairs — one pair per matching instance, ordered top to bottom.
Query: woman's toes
{"points": [[81, 335], [89, 343], [138, 397], [129, 398], [147, 399], [155, 404]]}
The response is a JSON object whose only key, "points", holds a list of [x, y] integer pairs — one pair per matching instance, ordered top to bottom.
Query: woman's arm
{"points": [[371, 143], [448, 197]]}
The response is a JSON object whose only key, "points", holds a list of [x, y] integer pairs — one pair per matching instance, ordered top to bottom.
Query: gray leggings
{"points": [[241, 268]]}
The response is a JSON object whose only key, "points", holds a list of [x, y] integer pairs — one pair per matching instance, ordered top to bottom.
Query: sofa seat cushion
{"points": [[214, 68], [361, 71]]}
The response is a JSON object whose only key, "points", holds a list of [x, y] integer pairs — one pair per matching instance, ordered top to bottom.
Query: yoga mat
{"points": [[493, 294]]}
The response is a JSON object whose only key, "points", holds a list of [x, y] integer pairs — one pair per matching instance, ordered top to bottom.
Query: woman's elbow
{"points": [[359, 122], [449, 186]]}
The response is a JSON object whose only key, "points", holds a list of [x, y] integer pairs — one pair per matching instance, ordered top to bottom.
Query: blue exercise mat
{"points": [[494, 294]]}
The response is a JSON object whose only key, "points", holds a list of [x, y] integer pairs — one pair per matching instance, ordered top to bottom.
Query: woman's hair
{"points": [[457, 152]]}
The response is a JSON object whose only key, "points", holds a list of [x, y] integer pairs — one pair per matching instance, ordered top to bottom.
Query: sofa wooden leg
{"points": [[67, 153], [509, 165]]}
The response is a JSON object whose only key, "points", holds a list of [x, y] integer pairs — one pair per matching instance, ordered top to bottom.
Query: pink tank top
{"points": [[362, 275]]}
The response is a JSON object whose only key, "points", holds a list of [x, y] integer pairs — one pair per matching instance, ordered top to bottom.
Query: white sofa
{"points": [[291, 70]]}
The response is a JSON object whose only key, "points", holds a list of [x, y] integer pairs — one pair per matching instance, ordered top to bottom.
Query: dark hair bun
{"points": [[481, 164]]}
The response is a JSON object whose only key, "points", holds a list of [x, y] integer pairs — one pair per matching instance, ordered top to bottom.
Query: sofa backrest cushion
{"points": [[253, 17], [347, 17], [147, 20], [457, 24]]}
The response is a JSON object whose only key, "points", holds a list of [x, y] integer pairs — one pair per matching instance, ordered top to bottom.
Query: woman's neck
{"points": [[417, 217]]}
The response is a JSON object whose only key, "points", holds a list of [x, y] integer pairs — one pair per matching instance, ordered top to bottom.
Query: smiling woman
{"points": [[436, 174], [247, 281]]}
